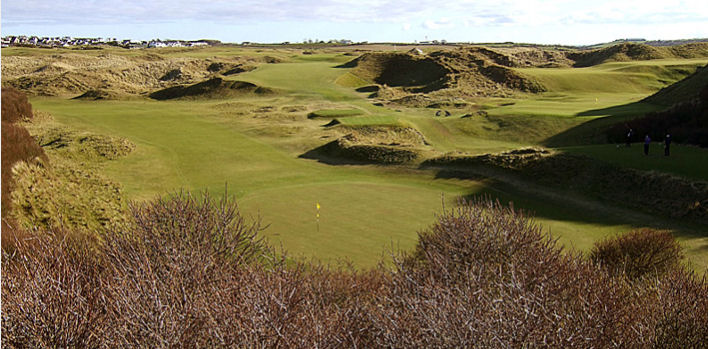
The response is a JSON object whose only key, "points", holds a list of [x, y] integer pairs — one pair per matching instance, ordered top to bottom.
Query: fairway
{"points": [[252, 146]]}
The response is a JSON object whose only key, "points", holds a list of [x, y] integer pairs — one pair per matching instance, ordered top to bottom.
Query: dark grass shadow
{"points": [[594, 131], [323, 154], [564, 205]]}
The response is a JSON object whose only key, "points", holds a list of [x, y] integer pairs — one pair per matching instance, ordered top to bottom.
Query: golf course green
{"points": [[250, 146]]}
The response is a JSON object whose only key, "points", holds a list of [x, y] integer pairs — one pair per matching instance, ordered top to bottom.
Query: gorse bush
{"points": [[638, 253], [188, 272]]}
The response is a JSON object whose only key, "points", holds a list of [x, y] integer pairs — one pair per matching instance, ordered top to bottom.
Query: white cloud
{"points": [[497, 12], [464, 19], [439, 24]]}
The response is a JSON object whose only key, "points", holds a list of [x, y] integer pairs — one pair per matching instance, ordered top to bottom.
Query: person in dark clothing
{"points": [[630, 133], [647, 141], [667, 144]]}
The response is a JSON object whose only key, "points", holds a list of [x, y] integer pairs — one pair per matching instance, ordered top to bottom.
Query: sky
{"points": [[273, 21]]}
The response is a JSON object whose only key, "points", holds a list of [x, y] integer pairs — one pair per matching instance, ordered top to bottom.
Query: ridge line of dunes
{"points": [[636, 52], [465, 69]]}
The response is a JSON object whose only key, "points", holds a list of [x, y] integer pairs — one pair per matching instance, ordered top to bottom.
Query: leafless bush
{"points": [[638, 253], [171, 265], [192, 273], [486, 276], [52, 293], [681, 311]]}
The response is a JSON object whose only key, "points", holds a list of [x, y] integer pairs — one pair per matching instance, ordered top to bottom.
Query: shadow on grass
{"points": [[594, 131], [323, 155], [561, 205]]}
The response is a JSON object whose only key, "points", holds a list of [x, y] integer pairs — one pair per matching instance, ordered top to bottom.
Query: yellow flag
{"points": [[318, 206]]}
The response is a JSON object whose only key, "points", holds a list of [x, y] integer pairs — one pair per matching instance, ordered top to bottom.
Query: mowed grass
{"points": [[334, 113], [179, 147], [684, 160], [365, 209], [359, 221]]}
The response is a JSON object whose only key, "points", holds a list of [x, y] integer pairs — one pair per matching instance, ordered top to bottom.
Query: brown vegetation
{"points": [[72, 74], [15, 106], [17, 146], [638, 253], [192, 273]]}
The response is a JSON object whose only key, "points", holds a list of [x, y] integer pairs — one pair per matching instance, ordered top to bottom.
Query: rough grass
{"points": [[682, 91], [374, 120], [17, 147], [68, 190], [649, 191]]}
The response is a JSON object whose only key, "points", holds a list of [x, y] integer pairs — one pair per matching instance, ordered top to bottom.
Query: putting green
{"points": [[358, 221]]}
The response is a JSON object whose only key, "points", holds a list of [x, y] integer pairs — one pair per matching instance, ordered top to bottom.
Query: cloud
{"points": [[433, 15], [439, 24]]}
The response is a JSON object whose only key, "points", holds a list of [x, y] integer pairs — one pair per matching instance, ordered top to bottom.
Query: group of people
{"points": [[647, 142]]}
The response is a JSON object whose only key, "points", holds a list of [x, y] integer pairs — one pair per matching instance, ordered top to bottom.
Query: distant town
{"points": [[68, 41], [89, 43]]}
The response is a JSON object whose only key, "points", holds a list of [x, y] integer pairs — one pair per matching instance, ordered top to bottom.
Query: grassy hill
{"points": [[682, 91], [254, 143]]}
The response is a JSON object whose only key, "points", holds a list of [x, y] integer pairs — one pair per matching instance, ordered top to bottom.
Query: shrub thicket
{"points": [[638, 253], [193, 273]]}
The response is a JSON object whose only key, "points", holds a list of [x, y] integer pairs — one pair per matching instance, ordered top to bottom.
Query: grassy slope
{"points": [[364, 208]]}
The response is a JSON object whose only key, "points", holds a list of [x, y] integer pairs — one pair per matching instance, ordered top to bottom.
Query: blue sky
{"points": [[545, 22]]}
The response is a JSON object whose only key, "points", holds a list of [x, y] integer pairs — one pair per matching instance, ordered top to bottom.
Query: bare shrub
{"points": [[638, 253], [169, 266], [191, 272], [486, 276], [52, 293], [682, 311]]}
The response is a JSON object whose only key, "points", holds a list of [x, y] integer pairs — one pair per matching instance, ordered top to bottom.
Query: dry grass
{"points": [[17, 146]]}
